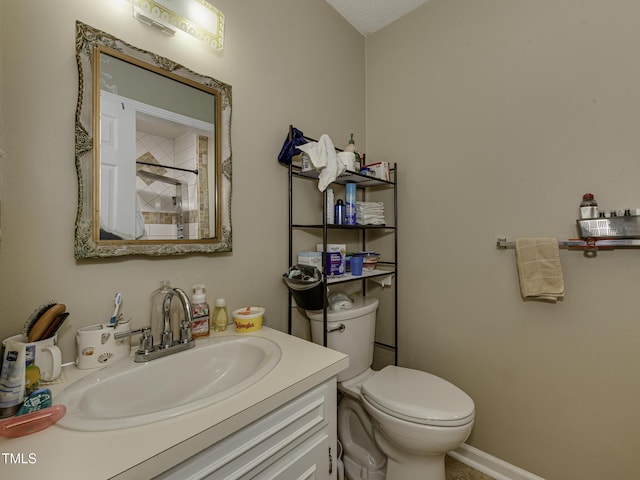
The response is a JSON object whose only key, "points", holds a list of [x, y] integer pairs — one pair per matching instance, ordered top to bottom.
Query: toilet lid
{"points": [[418, 397]]}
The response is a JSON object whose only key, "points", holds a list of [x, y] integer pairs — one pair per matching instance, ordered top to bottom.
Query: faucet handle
{"points": [[185, 332], [129, 333], [146, 341]]}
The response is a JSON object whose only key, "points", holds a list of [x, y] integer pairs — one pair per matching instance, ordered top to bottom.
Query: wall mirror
{"points": [[153, 153]]}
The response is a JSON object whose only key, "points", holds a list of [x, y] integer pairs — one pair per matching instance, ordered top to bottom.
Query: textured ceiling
{"points": [[367, 16]]}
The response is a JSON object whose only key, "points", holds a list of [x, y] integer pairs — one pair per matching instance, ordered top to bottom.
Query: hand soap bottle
{"points": [[351, 147], [220, 316], [200, 324]]}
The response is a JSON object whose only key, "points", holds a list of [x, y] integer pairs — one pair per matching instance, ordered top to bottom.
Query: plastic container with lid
{"points": [[588, 207], [248, 319]]}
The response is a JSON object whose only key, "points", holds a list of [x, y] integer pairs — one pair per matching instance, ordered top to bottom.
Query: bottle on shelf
{"points": [[351, 147], [329, 207], [588, 207], [350, 209], [339, 212]]}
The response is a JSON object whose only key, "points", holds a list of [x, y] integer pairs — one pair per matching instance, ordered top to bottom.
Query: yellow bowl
{"points": [[248, 319]]}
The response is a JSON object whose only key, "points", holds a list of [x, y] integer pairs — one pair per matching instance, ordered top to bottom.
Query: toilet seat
{"points": [[353, 386], [418, 397]]}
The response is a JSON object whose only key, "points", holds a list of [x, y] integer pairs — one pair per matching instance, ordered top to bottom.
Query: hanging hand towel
{"points": [[538, 261]]}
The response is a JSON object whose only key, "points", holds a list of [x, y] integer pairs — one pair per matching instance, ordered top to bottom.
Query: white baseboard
{"points": [[490, 465]]}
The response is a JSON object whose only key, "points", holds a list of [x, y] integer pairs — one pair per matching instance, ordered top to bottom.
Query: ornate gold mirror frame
{"points": [[90, 241]]}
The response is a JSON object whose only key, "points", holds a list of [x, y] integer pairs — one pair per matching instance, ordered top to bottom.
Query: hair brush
{"points": [[35, 316]]}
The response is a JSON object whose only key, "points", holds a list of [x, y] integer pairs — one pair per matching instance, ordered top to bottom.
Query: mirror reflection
{"points": [[153, 153], [157, 155]]}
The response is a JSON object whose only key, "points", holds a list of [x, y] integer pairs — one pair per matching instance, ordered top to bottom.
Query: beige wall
{"points": [[288, 61], [501, 114]]}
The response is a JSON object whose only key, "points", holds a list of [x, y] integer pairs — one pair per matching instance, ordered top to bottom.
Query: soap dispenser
{"points": [[351, 147], [200, 324]]}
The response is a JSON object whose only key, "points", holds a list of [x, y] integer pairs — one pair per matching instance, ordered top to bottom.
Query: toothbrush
{"points": [[118, 301]]}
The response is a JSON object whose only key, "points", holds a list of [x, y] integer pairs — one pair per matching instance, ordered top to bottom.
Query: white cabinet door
{"points": [[292, 442]]}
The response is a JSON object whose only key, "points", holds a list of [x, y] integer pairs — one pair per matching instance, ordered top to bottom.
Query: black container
{"points": [[308, 292], [310, 299]]}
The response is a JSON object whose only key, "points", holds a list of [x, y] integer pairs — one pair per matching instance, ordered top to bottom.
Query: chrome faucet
{"points": [[166, 339], [146, 350]]}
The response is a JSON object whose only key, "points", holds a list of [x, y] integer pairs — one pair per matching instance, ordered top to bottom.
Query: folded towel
{"points": [[324, 159], [538, 261]]}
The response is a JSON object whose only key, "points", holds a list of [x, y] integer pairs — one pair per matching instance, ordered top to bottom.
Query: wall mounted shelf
{"points": [[588, 245]]}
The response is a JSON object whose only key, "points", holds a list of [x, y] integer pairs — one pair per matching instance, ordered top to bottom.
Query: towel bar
{"points": [[589, 245]]}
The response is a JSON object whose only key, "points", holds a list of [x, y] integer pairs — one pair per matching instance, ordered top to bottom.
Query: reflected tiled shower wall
{"points": [[156, 199], [204, 229]]}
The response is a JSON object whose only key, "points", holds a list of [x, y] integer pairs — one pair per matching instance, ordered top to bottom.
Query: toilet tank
{"points": [[355, 339]]}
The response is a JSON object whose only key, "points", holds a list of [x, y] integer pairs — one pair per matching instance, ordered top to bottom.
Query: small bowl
{"points": [[370, 260], [369, 263], [248, 319]]}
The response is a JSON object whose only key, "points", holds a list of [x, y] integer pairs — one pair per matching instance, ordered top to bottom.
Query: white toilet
{"points": [[396, 423]]}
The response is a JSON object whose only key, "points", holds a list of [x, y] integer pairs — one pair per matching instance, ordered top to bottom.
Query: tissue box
{"points": [[380, 170], [313, 259], [336, 259]]}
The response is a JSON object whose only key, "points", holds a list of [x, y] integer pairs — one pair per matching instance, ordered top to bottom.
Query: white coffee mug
{"points": [[45, 354]]}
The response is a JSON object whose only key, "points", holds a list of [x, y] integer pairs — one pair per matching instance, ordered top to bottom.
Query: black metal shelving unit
{"points": [[385, 267]]}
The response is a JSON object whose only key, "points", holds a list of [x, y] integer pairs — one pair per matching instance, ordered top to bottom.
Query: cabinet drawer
{"points": [[257, 446], [309, 461]]}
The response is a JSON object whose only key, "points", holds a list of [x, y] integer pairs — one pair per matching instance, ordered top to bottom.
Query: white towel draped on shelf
{"points": [[323, 157], [539, 269]]}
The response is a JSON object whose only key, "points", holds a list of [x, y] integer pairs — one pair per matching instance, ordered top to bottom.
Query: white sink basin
{"points": [[128, 394]]}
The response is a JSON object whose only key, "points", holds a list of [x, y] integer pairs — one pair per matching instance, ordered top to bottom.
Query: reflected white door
{"points": [[117, 166]]}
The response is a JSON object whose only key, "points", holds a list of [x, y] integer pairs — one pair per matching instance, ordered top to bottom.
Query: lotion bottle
{"points": [[351, 147], [220, 316], [200, 325]]}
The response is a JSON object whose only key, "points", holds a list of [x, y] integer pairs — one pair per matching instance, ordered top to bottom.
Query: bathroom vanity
{"points": [[283, 426]]}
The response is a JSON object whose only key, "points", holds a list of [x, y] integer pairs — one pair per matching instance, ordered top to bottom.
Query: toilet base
{"points": [[361, 458], [402, 466], [354, 471]]}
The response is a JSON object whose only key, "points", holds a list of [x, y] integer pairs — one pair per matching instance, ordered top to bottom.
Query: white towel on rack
{"points": [[323, 157], [538, 262]]}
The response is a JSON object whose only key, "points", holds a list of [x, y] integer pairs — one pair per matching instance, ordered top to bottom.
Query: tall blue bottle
{"points": [[350, 208]]}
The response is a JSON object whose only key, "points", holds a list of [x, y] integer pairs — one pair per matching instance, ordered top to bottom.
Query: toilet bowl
{"points": [[417, 418], [397, 423]]}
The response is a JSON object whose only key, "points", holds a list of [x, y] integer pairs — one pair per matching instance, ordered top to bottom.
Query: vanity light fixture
{"points": [[198, 18]]}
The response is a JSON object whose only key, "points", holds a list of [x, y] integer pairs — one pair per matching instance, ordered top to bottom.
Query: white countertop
{"points": [[145, 451]]}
